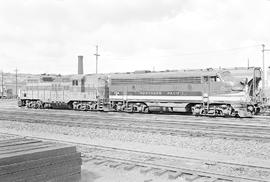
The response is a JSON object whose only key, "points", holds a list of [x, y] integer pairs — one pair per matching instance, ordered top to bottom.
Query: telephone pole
{"points": [[96, 59], [16, 74], [263, 78], [2, 85]]}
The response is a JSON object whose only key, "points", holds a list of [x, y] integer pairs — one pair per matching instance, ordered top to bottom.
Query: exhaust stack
{"points": [[80, 65]]}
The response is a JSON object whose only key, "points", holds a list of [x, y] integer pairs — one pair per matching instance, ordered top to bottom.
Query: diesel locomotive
{"points": [[211, 92]]}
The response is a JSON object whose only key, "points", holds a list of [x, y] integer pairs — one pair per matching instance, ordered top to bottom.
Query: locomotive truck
{"points": [[211, 92]]}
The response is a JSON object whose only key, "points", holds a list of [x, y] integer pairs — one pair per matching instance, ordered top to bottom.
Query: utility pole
{"points": [[96, 59], [248, 63], [16, 73], [263, 78], [2, 84]]}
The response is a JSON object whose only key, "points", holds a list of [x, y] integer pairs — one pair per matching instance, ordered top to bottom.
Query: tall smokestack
{"points": [[80, 65]]}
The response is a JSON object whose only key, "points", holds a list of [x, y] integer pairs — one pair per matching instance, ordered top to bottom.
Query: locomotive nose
{"points": [[238, 85], [237, 88]]}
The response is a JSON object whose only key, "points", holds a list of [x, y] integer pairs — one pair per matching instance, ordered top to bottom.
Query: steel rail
{"points": [[138, 115], [161, 120], [190, 129], [189, 170]]}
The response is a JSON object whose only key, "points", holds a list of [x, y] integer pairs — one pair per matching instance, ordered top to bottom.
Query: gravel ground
{"points": [[6, 137], [200, 147], [213, 149], [237, 150], [90, 172], [106, 174]]}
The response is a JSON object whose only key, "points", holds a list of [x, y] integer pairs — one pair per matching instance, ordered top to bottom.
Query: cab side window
{"points": [[205, 78], [211, 79], [75, 83]]}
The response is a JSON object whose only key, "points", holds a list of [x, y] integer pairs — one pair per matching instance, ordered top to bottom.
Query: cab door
{"points": [[82, 85]]}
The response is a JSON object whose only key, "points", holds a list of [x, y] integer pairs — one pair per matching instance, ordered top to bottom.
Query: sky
{"points": [[46, 36]]}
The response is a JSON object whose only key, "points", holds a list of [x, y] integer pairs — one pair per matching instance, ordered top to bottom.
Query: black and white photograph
{"points": [[135, 91]]}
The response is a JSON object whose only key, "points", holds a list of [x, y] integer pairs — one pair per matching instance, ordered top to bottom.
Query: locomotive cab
{"points": [[89, 92], [236, 94]]}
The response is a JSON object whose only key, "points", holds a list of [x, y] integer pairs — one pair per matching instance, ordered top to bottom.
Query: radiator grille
{"points": [[156, 81]]}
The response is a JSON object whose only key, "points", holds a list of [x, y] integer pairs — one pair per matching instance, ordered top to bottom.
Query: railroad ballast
{"points": [[215, 92]]}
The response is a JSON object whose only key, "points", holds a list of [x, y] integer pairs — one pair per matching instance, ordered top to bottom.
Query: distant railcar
{"points": [[79, 92], [200, 92]]}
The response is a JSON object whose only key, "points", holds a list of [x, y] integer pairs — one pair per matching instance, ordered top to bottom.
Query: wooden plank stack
{"points": [[30, 160]]}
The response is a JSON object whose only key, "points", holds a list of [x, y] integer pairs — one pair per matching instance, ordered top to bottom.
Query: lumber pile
{"points": [[30, 160]]}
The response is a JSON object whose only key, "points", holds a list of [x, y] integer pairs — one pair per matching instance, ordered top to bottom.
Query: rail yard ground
{"points": [[150, 147]]}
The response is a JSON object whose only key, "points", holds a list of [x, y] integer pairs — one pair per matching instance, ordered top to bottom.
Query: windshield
{"points": [[226, 76], [235, 83]]}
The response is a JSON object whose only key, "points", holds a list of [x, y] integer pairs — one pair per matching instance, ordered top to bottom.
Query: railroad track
{"points": [[136, 116], [200, 127], [190, 169]]}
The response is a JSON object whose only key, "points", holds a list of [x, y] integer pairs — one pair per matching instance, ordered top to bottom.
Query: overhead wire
{"points": [[215, 51]]}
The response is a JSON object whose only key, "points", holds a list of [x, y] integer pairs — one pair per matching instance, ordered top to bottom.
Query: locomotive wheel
{"points": [[33, 105], [38, 106], [78, 107], [83, 107], [88, 107], [146, 110], [219, 112]]}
